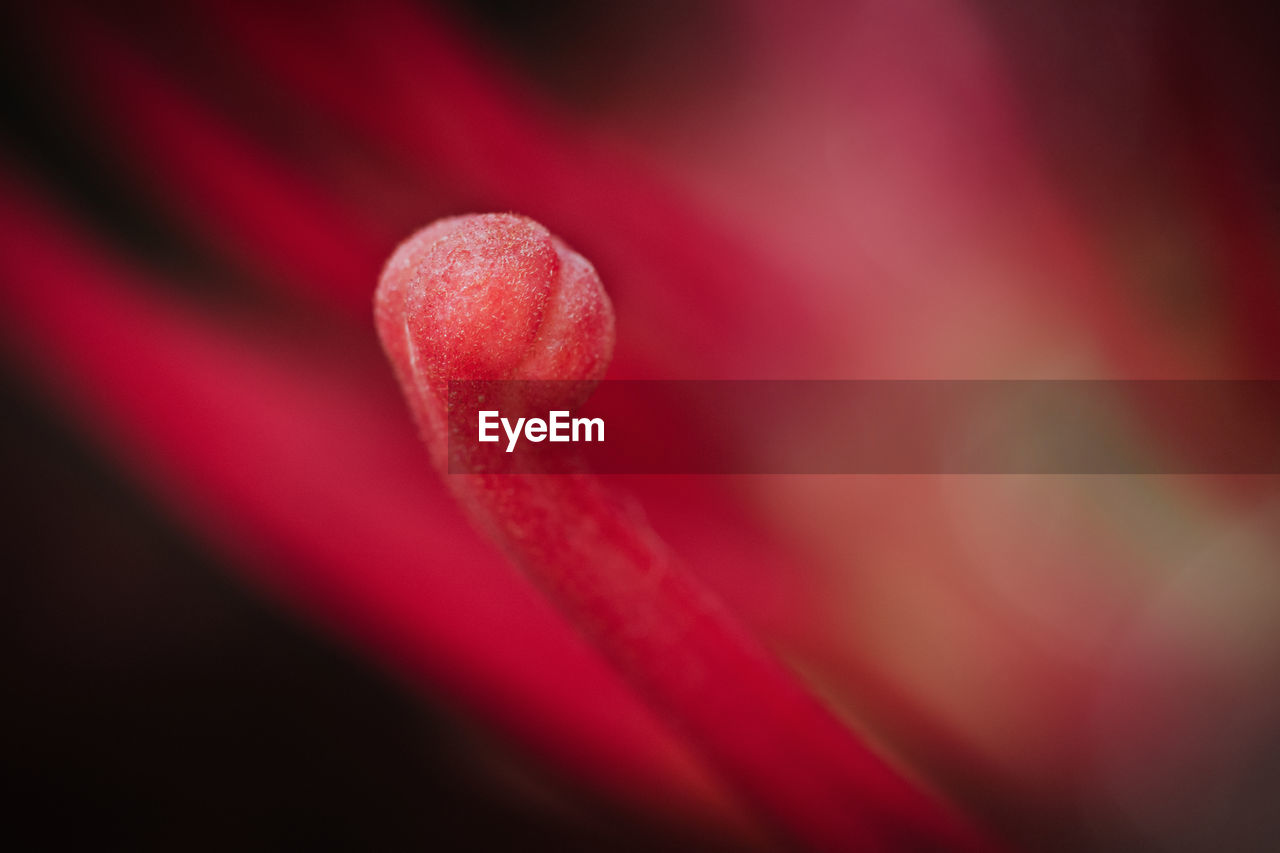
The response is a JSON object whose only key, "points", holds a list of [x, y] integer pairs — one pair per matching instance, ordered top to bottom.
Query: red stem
{"points": [[484, 298]]}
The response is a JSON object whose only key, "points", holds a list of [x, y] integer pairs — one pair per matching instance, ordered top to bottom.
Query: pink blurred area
{"points": [[195, 204]]}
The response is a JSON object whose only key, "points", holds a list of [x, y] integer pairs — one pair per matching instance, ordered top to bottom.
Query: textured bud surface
{"points": [[493, 296]]}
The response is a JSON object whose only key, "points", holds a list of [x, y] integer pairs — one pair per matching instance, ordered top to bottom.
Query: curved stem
{"points": [[503, 279]]}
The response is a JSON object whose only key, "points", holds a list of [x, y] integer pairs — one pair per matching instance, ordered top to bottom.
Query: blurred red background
{"points": [[241, 611]]}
